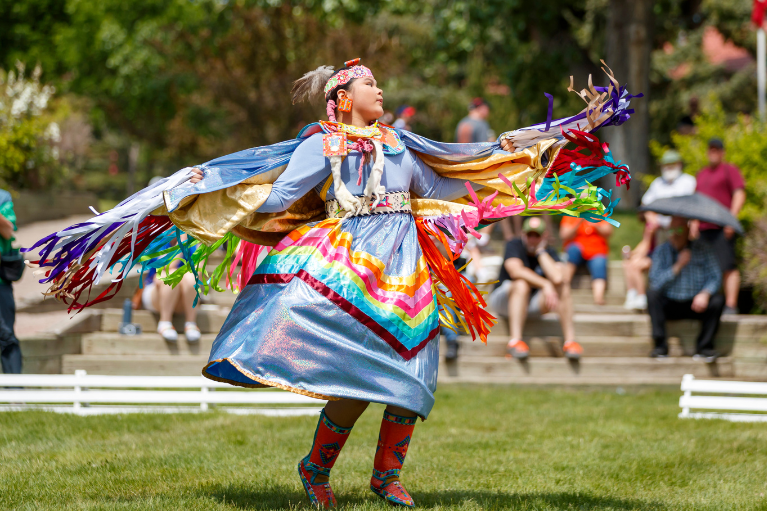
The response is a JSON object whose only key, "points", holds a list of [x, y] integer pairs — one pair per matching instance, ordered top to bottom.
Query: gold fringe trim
{"points": [[262, 382]]}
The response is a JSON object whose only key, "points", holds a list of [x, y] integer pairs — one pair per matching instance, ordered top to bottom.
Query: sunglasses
{"points": [[675, 230]]}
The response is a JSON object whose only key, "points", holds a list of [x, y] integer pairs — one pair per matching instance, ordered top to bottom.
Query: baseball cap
{"points": [[477, 102], [715, 143], [670, 157], [534, 224]]}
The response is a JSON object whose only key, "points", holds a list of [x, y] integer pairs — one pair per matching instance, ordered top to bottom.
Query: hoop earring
{"points": [[345, 105]]}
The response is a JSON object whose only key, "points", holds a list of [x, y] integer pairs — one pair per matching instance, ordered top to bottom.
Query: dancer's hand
{"points": [[506, 145], [196, 176], [374, 192], [348, 201]]}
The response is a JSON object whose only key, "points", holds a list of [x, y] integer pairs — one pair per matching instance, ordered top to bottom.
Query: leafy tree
{"points": [[682, 71], [28, 137]]}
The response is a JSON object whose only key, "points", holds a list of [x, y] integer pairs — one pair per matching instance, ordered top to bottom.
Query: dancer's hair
{"points": [[312, 84]]}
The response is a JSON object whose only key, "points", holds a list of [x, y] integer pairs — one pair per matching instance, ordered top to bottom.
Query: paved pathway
{"points": [[28, 289]]}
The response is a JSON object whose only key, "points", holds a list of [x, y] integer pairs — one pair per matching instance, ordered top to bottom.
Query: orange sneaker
{"points": [[517, 348], [572, 350]]}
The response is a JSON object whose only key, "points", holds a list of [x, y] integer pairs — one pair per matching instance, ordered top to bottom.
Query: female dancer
{"points": [[345, 306]]}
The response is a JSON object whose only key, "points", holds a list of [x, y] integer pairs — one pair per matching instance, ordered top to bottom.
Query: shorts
{"points": [[724, 249], [597, 265], [148, 295], [499, 300]]}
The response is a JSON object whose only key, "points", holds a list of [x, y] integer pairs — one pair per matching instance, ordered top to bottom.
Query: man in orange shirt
{"points": [[586, 242]]}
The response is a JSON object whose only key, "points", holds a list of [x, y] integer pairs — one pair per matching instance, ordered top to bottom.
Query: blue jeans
{"points": [[597, 265]]}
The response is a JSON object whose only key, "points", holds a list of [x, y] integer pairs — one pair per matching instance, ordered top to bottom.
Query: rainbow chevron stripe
{"points": [[402, 310]]}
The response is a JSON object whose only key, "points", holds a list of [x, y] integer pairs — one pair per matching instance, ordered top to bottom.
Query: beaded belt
{"points": [[394, 202]]}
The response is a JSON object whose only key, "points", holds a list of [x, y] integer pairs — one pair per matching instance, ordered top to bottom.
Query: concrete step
{"points": [[585, 296], [225, 299], [582, 299], [588, 307], [210, 318], [637, 325], [112, 343], [552, 347], [750, 351], [143, 365], [487, 369], [751, 369], [588, 370]]}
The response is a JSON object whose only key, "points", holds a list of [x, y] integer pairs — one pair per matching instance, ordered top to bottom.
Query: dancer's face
{"points": [[367, 99]]}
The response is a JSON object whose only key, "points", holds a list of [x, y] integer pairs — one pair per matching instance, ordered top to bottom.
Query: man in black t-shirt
{"points": [[532, 282]]}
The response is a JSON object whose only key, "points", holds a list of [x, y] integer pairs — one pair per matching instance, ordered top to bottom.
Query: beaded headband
{"points": [[344, 76]]}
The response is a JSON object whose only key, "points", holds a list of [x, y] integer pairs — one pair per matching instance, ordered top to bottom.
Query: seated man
{"points": [[673, 182], [533, 282], [684, 284]]}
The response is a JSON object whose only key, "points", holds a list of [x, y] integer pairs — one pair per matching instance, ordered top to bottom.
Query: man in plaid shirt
{"points": [[684, 284]]}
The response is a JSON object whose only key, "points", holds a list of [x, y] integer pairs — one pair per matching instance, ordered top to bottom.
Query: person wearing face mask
{"points": [[673, 182]]}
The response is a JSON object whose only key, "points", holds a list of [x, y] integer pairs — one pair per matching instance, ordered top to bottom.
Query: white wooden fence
{"points": [[87, 394], [728, 402]]}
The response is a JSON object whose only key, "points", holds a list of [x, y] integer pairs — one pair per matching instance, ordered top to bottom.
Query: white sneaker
{"points": [[631, 296], [640, 303], [166, 330], [192, 331]]}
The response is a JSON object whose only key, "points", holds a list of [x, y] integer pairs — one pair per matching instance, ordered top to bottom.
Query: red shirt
{"points": [[720, 184]]}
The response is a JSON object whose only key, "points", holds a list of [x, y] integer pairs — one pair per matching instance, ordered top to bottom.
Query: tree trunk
{"points": [[629, 44], [133, 154]]}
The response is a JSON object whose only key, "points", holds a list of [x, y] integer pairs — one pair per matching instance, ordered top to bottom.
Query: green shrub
{"points": [[28, 136], [755, 261]]}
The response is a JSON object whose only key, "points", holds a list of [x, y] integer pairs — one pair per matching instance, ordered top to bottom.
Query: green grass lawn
{"points": [[483, 447]]}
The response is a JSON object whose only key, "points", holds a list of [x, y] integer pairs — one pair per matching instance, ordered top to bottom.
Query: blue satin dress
{"points": [[340, 308]]}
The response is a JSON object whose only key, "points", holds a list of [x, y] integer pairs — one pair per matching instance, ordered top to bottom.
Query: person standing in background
{"points": [[404, 114], [474, 127], [724, 183], [10, 351]]}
